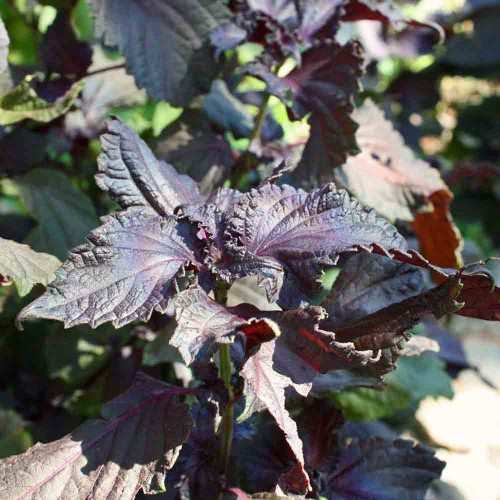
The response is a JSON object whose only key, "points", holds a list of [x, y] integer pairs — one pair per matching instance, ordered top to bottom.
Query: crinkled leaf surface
{"points": [[286, 23], [162, 40], [4, 47], [323, 85], [23, 102], [130, 173], [386, 175], [65, 215], [285, 236], [25, 266], [124, 272], [368, 283], [478, 296], [203, 323], [386, 328], [140, 435], [375, 468]]}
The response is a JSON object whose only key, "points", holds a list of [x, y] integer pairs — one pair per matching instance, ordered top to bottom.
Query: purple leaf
{"points": [[385, 12], [285, 23], [227, 37], [164, 41], [62, 52], [323, 85], [102, 91], [204, 153], [129, 171], [386, 175], [225, 199], [211, 223], [285, 236], [124, 272], [368, 283], [478, 296], [203, 323], [382, 327], [450, 347], [271, 370], [337, 381], [318, 424], [141, 435], [198, 458], [263, 458], [375, 468]]}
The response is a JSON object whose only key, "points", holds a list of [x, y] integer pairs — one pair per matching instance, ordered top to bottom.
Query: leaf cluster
{"points": [[193, 205]]}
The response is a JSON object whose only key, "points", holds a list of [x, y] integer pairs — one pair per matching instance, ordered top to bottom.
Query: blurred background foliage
{"points": [[444, 100]]}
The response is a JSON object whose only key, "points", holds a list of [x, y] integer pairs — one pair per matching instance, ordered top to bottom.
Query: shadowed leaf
{"points": [[162, 41], [62, 52], [64, 214], [141, 434], [374, 468]]}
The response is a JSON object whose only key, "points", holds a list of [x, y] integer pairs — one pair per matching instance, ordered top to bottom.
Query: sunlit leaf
{"points": [[23, 102], [132, 175], [285, 236], [25, 266], [124, 272]]}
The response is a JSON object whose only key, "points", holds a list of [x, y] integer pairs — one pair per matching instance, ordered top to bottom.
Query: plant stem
{"points": [[102, 70], [259, 119], [246, 157], [227, 418], [226, 426]]}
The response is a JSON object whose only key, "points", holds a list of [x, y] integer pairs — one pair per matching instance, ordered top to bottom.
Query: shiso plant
{"points": [[260, 415]]}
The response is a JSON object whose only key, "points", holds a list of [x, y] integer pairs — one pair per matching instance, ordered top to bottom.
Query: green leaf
{"points": [[23, 102], [65, 215], [25, 266], [76, 355], [422, 376], [415, 378], [360, 403], [13, 438]]}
